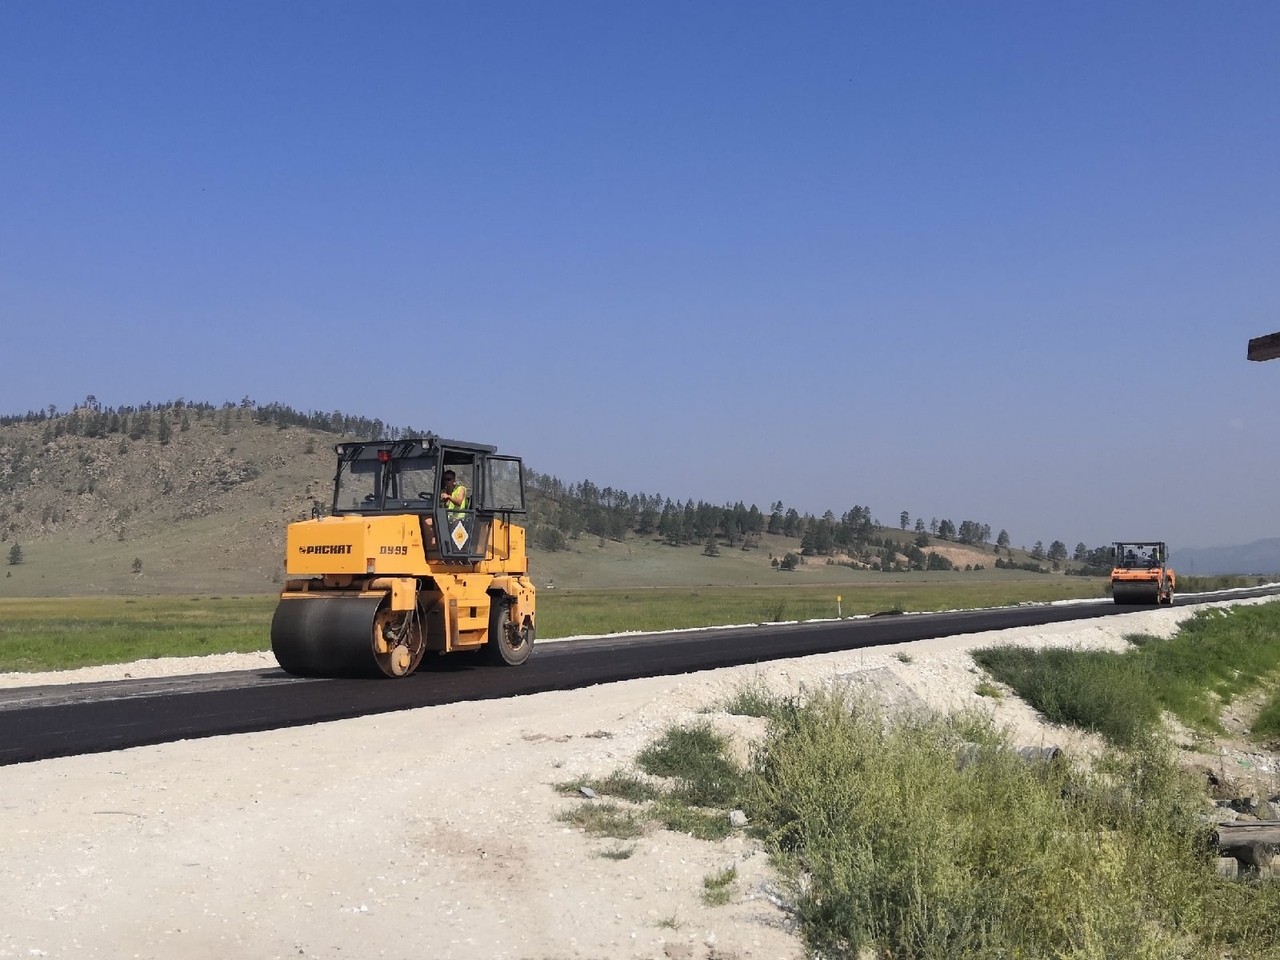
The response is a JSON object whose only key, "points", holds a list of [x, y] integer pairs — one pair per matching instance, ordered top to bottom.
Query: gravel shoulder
{"points": [[435, 832]]}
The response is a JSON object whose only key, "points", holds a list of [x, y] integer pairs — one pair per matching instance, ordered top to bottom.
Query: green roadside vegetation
{"points": [[1189, 584], [1216, 657], [930, 837]]}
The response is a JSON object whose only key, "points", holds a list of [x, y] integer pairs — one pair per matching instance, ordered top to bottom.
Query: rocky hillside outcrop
{"points": [[224, 486]]}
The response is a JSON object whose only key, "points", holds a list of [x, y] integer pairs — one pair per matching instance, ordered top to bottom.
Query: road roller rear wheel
{"points": [[510, 643]]}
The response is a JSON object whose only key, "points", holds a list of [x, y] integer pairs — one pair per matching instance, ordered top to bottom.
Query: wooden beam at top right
{"points": [[1265, 348]]}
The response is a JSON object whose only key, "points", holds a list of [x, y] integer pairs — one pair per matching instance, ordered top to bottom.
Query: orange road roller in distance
{"points": [[1140, 573]]}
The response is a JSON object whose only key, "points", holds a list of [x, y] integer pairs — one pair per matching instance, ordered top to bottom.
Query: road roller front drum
{"points": [[1138, 593], [346, 637]]}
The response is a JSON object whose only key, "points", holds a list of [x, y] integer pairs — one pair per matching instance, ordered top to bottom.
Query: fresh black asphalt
{"points": [[42, 722]]}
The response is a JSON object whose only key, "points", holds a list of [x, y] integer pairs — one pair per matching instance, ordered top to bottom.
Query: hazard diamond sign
{"points": [[459, 535]]}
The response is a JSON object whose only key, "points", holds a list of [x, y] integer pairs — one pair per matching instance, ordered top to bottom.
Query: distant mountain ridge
{"points": [[1259, 557]]}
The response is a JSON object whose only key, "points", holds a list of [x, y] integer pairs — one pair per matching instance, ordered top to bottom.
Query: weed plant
{"points": [[985, 688], [754, 699], [1266, 726], [696, 758], [705, 782], [620, 784], [675, 814], [605, 819], [618, 853], [717, 888]]}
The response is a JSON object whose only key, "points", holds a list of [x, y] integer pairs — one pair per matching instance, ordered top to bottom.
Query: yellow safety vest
{"points": [[452, 504]]}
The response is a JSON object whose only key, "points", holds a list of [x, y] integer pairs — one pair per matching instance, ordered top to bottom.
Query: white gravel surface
{"points": [[430, 833]]}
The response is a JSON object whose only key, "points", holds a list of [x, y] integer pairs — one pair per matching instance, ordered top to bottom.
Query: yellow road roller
{"points": [[419, 553], [1140, 573]]}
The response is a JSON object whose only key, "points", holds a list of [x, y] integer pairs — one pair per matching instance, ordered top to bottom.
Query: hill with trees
{"points": [[188, 496]]}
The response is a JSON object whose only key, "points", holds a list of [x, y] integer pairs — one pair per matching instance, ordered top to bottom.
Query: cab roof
{"points": [[409, 447]]}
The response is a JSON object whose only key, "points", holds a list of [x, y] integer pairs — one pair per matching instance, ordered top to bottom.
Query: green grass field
{"points": [[565, 613], [38, 634], [61, 634]]}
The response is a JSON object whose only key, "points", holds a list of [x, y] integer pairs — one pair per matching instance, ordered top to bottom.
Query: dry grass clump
{"points": [[893, 847]]}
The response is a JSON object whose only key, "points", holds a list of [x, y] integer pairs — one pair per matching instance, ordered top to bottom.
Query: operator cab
{"points": [[406, 476], [1138, 556]]}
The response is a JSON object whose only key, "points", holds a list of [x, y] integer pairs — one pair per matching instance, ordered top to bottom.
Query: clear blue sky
{"points": [[985, 261]]}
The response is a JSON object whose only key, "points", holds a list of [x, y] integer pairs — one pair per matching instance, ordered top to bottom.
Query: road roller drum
{"points": [[1145, 592], [345, 637]]}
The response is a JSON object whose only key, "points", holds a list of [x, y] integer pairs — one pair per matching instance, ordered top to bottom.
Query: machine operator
{"points": [[453, 495]]}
